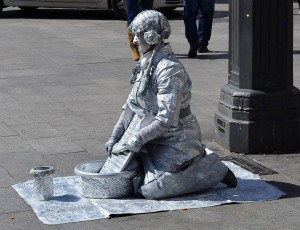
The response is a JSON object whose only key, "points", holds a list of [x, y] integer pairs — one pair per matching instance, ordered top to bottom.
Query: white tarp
{"points": [[68, 205]]}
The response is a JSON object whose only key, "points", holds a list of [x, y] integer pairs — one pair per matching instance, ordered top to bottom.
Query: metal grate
{"points": [[249, 165]]}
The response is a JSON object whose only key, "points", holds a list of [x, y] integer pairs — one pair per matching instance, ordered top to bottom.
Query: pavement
{"points": [[64, 75]]}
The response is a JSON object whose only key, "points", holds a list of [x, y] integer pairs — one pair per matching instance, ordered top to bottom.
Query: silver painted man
{"points": [[158, 122]]}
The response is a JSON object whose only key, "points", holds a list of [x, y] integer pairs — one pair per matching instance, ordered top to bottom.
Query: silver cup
{"points": [[43, 182]]}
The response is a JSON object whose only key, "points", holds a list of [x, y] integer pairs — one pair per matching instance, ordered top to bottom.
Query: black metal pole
{"points": [[259, 108]]}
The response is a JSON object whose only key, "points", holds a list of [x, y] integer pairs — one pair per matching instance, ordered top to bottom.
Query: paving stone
{"points": [[73, 56], [90, 68], [26, 72], [47, 79], [76, 81], [114, 82], [29, 87], [93, 89], [56, 91], [30, 95], [5, 97], [74, 97], [109, 99], [199, 100], [85, 107], [9, 108], [47, 108], [110, 108], [21, 118], [63, 119], [104, 123], [6, 131], [36, 131], [80, 131], [13, 144], [54, 145], [95, 147], [58, 161], [278, 162], [18, 164], [5, 179], [11, 201], [293, 202], [210, 214], [262, 214], [220, 217], [23, 220], [163, 221], [93, 225], [225, 225]]}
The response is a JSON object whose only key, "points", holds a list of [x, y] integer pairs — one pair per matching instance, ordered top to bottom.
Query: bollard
{"points": [[259, 108], [43, 182]]}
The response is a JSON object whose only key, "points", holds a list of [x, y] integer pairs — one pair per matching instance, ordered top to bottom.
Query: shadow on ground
{"points": [[296, 52], [213, 55], [291, 190]]}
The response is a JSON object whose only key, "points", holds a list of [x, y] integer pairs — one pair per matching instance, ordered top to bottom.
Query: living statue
{"points": [[156, 117]]}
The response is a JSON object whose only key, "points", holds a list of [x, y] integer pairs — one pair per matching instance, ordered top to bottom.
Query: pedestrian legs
{"points": [[146, 5], [132, 8], [190, 13], [206, 16], [198, 37]]}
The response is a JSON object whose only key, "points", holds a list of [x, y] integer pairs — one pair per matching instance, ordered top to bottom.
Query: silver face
{"points": [[142, 45]]}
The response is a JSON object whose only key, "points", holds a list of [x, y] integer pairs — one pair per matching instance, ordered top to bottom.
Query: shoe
{"points": [[203, 49], [193, 50], [230, 179]]}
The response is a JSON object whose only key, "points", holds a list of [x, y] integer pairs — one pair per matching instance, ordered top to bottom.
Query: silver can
{"points": [[43, 182]]}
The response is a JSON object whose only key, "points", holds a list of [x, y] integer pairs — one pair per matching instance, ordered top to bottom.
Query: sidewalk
{"points": [[64, 76]]}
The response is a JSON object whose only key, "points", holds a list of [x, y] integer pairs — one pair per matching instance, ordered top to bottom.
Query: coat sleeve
{"points": [[170, 81]]}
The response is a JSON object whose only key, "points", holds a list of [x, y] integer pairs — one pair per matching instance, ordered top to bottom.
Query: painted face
{"points": [[142, 45]]}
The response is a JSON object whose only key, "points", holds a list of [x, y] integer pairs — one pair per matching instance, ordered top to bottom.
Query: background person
{"points": [[133, 7], [198, 37]]}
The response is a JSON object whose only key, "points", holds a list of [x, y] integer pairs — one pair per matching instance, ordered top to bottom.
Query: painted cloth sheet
{"points": [[68, 205]]}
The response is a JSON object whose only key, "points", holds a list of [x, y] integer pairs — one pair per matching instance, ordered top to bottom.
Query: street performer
{"points": [[157, 121]]}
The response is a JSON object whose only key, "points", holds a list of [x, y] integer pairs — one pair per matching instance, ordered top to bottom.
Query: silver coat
{"points": [[162, 94]]}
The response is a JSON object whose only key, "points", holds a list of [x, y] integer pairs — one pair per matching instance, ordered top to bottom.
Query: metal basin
{"points": [[96, 185]]}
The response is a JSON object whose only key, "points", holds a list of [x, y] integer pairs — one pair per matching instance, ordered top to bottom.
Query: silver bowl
{"points": [[103, 185]]}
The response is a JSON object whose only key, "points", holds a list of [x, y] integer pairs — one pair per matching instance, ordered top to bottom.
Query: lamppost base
{"points": [[250, 121]]}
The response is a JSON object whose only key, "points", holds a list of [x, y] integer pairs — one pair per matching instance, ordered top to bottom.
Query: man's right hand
{"points": [[110, 144]]}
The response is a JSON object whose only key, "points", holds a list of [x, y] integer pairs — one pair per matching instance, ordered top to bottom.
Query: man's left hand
{"points": [[133, 145]]}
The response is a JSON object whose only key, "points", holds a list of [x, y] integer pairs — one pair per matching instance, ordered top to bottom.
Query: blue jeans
{"points": [[133, 7], [205, 9]]}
